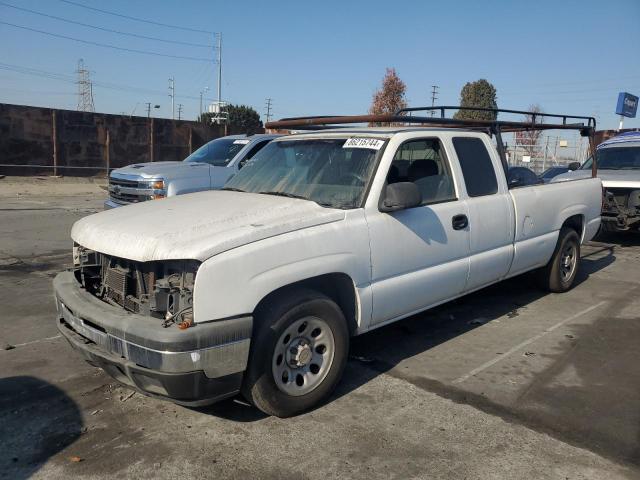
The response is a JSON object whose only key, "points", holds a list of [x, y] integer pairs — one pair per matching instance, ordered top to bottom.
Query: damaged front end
{"points": [[621, 209], [161, 289], [113, 310]]}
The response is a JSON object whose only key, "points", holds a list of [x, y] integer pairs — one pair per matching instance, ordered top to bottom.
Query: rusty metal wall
{"points": [[44, 141]]}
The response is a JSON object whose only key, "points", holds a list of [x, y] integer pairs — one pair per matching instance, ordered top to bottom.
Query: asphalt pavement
{"points": [[509, 382]]}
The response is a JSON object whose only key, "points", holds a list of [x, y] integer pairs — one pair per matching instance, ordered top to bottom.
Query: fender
{"points": [[233, 282]]}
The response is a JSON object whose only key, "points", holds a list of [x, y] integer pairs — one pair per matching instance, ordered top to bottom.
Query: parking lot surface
{"points": [[508, 382]]}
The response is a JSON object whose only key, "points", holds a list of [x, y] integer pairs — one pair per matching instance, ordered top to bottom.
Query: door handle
{"points": [[459, 222]]}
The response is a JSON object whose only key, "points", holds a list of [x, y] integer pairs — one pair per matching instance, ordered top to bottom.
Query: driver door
{"points": [[419, 256]]}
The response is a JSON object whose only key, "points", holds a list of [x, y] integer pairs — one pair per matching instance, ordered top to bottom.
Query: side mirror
{"points": [[242, 163], [573, 166], [400, 196]]}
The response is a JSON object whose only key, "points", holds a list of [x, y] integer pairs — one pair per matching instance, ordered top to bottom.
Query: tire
{"points": [[560, 273], [299, 350]]}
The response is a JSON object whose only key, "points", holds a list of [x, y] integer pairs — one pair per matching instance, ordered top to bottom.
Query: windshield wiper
{"points": [[233, 189], [286, 194]]}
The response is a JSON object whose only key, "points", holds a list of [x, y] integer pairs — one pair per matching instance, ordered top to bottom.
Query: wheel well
{"points": [[576, 222], [337, 286]]}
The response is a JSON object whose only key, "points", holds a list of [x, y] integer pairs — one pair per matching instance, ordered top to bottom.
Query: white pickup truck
{"points": [[208, 168], [619, 170], [257, 288]]}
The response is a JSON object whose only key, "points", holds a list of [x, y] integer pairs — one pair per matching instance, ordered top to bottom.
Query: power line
{"points": [[135, 18], [105, 29], [88, 42], [66, 78]]}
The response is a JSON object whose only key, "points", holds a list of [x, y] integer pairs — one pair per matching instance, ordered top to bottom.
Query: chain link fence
{"points": [[550, 151]]}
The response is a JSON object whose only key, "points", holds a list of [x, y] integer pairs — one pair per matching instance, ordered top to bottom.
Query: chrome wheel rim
{"points": [[568, 261], [303, 356]]}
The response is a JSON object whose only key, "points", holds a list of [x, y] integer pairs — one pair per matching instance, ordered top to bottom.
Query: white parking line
{"points": [[37, 341], [490, 363]]}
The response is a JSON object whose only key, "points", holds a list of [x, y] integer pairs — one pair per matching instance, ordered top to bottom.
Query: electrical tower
{"points": [[85, 89], [434, 97], [268, 105], [179, 111]]}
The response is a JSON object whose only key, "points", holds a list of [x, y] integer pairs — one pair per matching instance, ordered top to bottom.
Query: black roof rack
{"points": [[539, 121]]}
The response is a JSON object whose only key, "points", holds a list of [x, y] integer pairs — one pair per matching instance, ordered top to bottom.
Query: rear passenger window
{"points": [[423, 162], [477, 167]]}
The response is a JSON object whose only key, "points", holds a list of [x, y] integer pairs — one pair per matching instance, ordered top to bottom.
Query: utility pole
{"points": [[219, 48], [85, 89], [206, 89], [172, 94], [434, 97], [148, 104], [268, 104], [179, 111]]}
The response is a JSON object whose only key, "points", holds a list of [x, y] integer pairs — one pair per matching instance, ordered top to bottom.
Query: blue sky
{"points": [[328, 57]]}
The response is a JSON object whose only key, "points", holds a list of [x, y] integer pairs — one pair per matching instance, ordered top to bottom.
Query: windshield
{"points": [[218, 152], [616, 158], [329, 172]]}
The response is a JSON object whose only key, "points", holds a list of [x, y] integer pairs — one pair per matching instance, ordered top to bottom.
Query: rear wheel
{"points": [[560, 273], [299, 351]]}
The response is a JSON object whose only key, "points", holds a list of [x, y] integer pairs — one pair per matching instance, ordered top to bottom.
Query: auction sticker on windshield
{"points": [[242, 141], [370, 143]]}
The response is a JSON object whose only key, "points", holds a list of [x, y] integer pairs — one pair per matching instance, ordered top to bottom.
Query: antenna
{"points": [[85, 89]]}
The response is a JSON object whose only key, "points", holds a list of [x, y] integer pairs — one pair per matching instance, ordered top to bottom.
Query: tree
{"points": [[480, 93], [390, 97], [240, 118], [529, 140]]}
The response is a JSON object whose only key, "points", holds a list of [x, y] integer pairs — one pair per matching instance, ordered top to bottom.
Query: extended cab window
{"points": [[423, 162], [477, 167]]}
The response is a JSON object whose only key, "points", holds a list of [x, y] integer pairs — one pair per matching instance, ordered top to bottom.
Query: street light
{"points": [[206, 89], [149, 109]]}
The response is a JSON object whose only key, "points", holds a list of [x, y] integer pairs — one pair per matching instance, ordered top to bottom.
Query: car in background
{"points": [[208, 168], [619, 169], [552, 172], [522, 177]]}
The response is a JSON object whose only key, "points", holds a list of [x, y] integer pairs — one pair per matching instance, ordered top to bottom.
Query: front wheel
{"points": [[560, 273], [299, 351]]}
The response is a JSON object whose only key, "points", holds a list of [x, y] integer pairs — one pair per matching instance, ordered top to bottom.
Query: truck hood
{"points": [[171, 170], [610, 178], [196, 226]]}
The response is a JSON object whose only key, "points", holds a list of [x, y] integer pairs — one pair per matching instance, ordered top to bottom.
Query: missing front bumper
{"points": [[197, 366]]}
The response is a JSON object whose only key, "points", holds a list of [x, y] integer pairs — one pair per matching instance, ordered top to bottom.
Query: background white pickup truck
{"points": [[208, 168], [619, 170], [322, 236]]}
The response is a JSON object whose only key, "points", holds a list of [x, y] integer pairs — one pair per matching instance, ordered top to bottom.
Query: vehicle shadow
{"points": [[622, 239], [382, 349], [235, 409], [37, 420]]}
